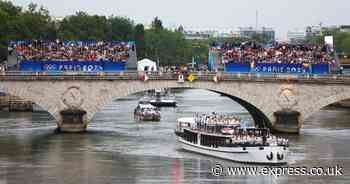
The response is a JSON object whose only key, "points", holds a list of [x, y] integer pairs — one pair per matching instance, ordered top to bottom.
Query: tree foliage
{"points": [[34, 22], [157, 24], [82, 26], [120, 28], [139, 35], [261, 38], [341, 40], [166, 46]]}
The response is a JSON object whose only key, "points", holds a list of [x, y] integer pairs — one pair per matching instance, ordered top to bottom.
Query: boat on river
{"points": [[160, 98], [146, 112], [228, 138]]}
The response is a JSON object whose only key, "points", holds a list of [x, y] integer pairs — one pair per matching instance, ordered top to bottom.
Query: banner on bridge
{"points": [[60, 66], [237, 68], [278, 68], [282, 68], [320, 68]]}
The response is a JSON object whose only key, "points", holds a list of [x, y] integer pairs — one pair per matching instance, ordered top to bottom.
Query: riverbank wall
{"points": [[15, 104]]}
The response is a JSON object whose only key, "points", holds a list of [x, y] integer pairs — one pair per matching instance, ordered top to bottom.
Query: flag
{"points": [[143, 76], [146, 78], [216, 80], [243, 125]]}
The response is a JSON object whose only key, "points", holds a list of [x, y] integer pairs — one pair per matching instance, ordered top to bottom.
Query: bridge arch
{"points": [[28, 95], [324, 102], [258, 112], [259, 117]]}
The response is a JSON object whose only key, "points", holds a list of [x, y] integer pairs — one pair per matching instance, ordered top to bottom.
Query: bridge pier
{"points": [[72, 121], [287, 121]]}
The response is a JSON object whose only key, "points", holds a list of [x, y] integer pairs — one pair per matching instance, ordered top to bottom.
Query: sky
{"points": [[282, 15]]}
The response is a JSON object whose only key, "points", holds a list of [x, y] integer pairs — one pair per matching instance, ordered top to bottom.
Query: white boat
{"points": [[160, 98], [163, 102], [146, 112], [231, 142]]}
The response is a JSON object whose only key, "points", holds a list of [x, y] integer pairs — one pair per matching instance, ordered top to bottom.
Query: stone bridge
{"points": [[280, 102]]}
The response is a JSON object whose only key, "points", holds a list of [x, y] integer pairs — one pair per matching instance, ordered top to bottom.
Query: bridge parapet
{"points": [[198, 76]]}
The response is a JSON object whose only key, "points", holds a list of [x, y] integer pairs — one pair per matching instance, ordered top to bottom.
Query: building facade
{"points": [[250, 32], [296, 36]]}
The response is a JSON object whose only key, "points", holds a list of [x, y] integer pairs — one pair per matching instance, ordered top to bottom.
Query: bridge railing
{"points": [[68, 76], [201, 76]]}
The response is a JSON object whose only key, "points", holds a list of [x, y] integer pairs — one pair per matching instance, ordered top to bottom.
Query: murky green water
{"points": [[116, 149]]}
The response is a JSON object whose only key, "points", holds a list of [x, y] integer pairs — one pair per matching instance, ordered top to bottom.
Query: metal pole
{"points": [[256, 21]]}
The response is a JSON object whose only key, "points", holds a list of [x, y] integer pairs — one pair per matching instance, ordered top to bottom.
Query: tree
{"points": [[9, 8], [32, 8], [8, 12], [35, 23], [19, 24], [157, 24], [83, 26], [120, 28], [180, 29], [139, 36], [261, 38], [341, 39], [314, 40], [342, 42], [167, 46], [199, 49]]}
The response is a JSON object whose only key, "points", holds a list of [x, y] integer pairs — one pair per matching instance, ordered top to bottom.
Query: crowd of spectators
{"points": [[38, 50], [278, 53], [182, 68]]}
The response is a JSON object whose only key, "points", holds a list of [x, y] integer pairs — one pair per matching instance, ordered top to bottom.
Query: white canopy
{"points": [[146, 65], [146, 106], [187, 120]]}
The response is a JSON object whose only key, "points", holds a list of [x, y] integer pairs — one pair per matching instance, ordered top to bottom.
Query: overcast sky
{"points": [[282, 15]]}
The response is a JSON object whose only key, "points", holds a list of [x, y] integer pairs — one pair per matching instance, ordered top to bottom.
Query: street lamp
{"points": [[195, 49]]}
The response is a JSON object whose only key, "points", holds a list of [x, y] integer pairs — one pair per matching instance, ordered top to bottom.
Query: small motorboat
{"points": [[160, 98], [146, 112]]}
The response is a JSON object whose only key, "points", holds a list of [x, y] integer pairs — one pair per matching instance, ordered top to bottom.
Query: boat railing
{"points": [[243, 136]]}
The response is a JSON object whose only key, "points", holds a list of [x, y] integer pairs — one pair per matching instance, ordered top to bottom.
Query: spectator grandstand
{"points": [[38, 50], [253, 53], [86, 56]]}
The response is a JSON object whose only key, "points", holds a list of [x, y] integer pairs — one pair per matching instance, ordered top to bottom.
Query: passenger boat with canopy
{"points": [[228, 137]]}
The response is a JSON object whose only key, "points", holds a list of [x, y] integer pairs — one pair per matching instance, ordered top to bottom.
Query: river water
{"points": [[116, 149]]}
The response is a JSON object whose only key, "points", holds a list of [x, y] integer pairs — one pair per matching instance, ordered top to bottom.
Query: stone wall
{"points": [[12, 103]]}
